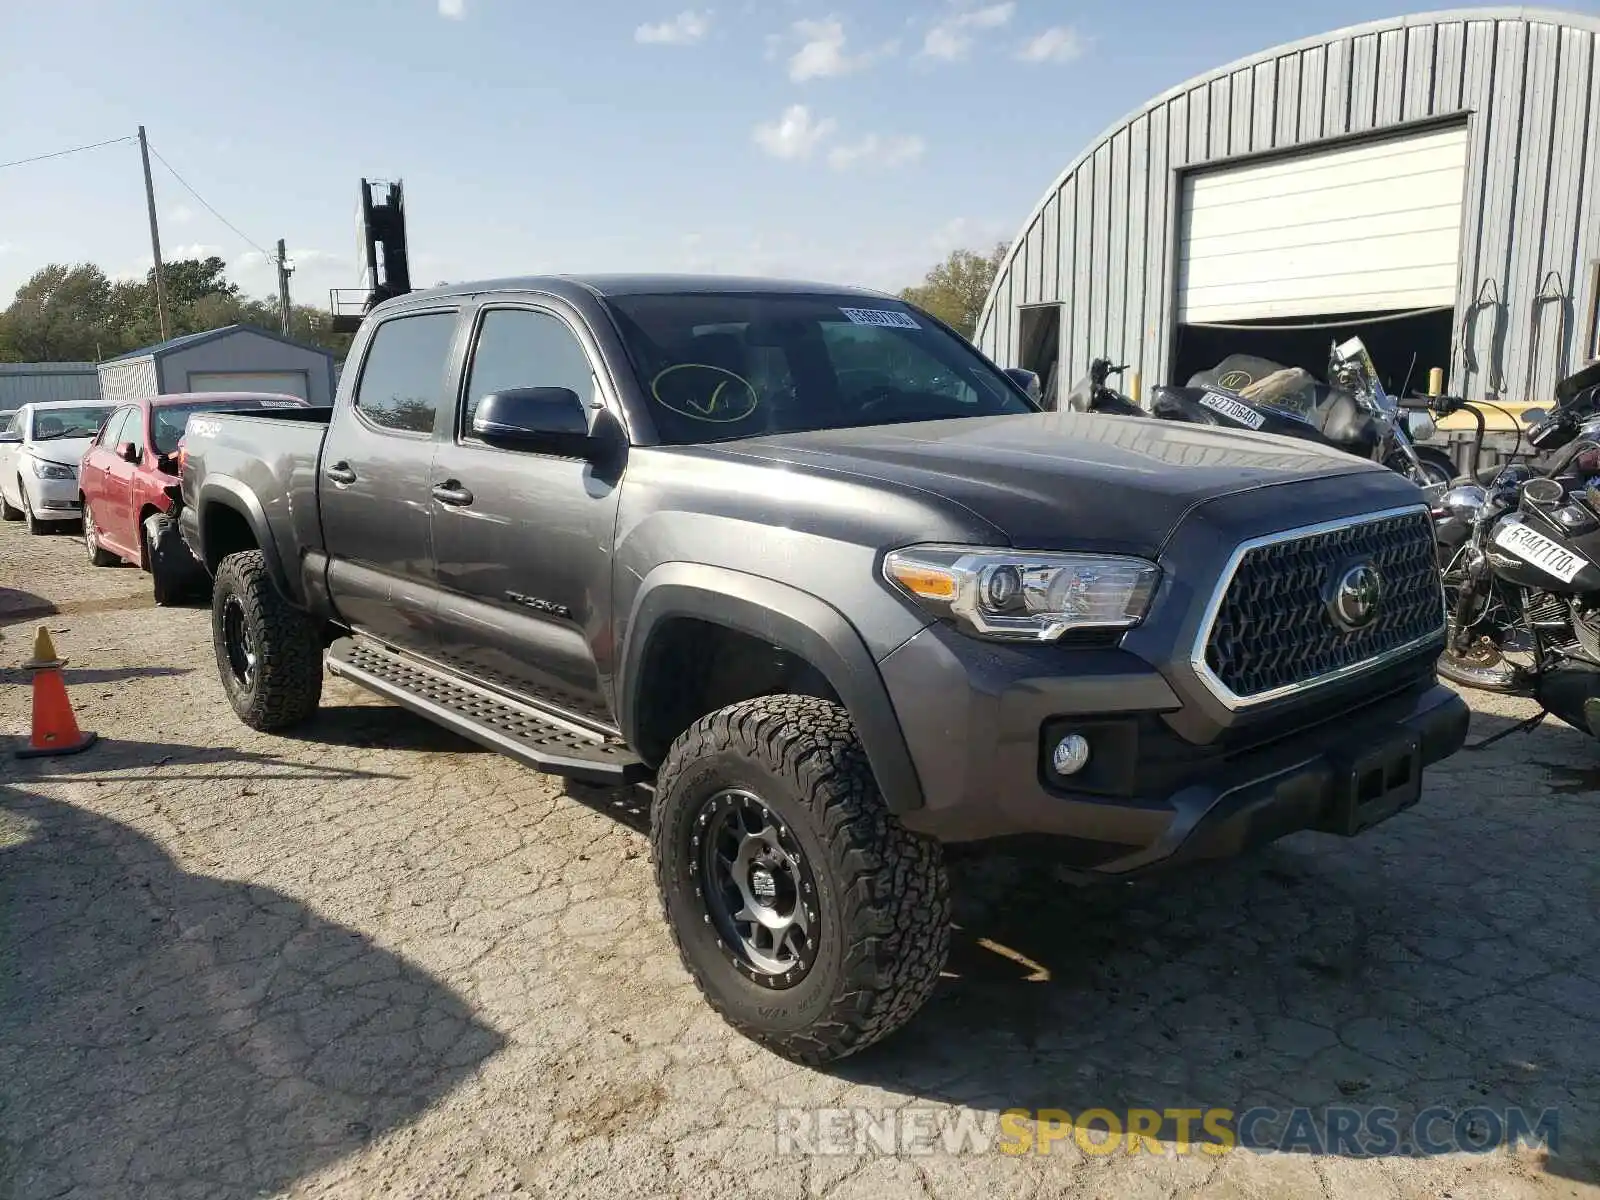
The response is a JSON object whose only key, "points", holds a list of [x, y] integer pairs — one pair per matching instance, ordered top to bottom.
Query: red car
{"points": [[128, 483]]}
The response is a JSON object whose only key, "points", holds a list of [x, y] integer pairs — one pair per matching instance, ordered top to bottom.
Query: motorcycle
{"points": [[1354, 414], [1521, 567]]}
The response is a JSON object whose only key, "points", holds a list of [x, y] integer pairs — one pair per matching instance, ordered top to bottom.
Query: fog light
{"points": [[1071, 754]]}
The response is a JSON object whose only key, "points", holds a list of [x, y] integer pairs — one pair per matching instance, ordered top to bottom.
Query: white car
{"points": [[40, 448]]}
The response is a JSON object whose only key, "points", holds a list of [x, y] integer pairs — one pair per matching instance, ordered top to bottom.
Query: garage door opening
{"points": [[1040, 346], [1403, 347]]}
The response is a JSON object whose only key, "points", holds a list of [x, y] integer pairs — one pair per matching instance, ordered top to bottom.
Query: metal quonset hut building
{"points": [[1429, 182], [235, 358]]}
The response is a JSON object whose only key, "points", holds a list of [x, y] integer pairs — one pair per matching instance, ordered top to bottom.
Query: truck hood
{"points": [[1062, 480]]}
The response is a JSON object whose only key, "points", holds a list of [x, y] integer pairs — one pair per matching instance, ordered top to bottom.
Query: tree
{"points": [[954, 291], [60, 315]]}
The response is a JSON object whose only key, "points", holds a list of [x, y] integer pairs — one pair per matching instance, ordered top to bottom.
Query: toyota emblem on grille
{"points": [[1355, 593]]}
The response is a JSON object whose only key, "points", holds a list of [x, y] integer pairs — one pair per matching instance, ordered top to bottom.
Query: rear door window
{"points": [[402, 379]]}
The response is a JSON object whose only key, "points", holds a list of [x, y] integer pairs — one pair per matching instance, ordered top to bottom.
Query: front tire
{"points": [[7, 511], [35, 526], [91, 542], [172, 574], [269, 653], [809, 917]]}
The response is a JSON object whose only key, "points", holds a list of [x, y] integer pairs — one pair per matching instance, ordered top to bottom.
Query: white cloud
{"points": [[453, 9], [685, 29], [951, 38], [1060, 44], [819, 50], [795, 134], [873, 150], [181, 215], [10, 248], [192, 250]]}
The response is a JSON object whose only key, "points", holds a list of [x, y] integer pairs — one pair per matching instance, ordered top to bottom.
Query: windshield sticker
{"points": [[883, 318], [703, 392], [280, 404], [1234, 410]]}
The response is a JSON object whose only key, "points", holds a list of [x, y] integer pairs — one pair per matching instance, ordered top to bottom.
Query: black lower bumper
{"points": [[982, 754]]}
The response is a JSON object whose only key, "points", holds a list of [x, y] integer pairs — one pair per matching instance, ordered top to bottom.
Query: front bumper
{"points": [[53, 499], [979, 719]]}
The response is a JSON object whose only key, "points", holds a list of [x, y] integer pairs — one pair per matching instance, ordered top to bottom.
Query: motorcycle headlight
{"points": [[1420, 425], [48, 470], [1020, 596]]}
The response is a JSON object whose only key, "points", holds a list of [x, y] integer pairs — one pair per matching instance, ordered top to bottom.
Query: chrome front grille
{"points": [[1270, 630]]}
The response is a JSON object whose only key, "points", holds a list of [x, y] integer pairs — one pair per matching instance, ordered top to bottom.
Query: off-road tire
{"points": [[8, 513], [163, 556], [98, 557], [287, 685], [884, 928]]}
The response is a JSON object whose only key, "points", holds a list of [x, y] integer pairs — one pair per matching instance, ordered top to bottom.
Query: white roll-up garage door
{"points": [[1358, 228], [291, 382]]}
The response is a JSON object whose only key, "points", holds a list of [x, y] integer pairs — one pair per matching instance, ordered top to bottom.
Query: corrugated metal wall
{"points": [[1527, 84], [128, 379], [36, 383]]}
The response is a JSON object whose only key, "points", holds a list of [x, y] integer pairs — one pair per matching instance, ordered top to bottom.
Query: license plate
{"points": [[1234, 410], [1530, 545], [1374, 785]]}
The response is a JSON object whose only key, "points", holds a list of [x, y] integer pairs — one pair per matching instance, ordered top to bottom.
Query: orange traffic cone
{"points": [[55, 729]]}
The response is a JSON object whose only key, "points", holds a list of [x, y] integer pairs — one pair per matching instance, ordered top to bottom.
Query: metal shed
{"points": [[1430, 182], [235, 358], [36, 383]]}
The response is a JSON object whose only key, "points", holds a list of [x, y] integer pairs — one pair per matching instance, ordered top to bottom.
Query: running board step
{"points": [[542, 740]]}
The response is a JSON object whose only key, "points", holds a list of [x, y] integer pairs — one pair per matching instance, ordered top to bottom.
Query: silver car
{"points": [[40, 448]]}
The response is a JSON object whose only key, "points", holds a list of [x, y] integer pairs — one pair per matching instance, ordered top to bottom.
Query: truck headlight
{"points": [[49, 470], [1022, 596]]}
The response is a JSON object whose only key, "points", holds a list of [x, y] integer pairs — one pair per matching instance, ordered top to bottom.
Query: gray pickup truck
{"points": [[802, 562]]}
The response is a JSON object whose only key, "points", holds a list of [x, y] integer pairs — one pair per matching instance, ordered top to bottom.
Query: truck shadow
{"points": [[115, 760], [1443, 960], [163, 1029]]}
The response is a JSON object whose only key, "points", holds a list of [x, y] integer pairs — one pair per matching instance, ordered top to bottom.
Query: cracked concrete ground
{"points": [[371, 960]]}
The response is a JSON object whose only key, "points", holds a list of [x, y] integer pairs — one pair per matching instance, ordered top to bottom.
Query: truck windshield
{"points": [[734, 365], [168, 421], [53, 424]]}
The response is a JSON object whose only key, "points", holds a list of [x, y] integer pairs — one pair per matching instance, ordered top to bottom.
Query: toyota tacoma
{"points": [[804, 564]]}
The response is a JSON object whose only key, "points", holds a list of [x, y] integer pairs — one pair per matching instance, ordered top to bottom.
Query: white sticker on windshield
{"points": [[884, 318], [281, 404], [1234, 410], [1549, 556]]}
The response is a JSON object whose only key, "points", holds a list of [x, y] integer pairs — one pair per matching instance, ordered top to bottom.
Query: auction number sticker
{"points": [[883, 318], [1234, 410], [1550, 557]]}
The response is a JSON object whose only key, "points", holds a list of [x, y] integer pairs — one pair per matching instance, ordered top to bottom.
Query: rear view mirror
{"points": [[1532, 416], [549, 420], [10, 439]]}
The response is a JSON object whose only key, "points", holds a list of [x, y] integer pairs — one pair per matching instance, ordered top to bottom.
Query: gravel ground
{"points": [[371, 960]]}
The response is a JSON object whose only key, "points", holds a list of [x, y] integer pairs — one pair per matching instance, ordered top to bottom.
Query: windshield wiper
{"points": [[65, 433]]}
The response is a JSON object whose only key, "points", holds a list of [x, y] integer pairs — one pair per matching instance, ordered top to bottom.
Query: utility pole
{"points": [[155, 236], [284, 271]]}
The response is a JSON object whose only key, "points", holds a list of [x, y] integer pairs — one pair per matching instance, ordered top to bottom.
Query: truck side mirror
{"points": [[1028, 381], [548, 420]]}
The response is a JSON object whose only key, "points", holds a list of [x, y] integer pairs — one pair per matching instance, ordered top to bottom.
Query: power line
{"points": [[63, 153], [206, 205]]}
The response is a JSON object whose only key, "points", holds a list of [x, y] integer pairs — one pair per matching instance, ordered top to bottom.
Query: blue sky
{"points": [[855, 141]]}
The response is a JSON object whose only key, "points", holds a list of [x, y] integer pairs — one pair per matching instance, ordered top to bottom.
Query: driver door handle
{"points": [[340, 473], [451, 492]]}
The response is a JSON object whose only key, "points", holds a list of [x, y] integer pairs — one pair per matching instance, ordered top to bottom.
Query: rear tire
{"points": [[91, 542], [269, 653], [785, 779]]}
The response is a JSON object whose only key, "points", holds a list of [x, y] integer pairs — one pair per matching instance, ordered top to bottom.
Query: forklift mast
{"points": [[385, 270]]}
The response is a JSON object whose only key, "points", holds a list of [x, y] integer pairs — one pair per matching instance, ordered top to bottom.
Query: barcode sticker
{"points": [[883, 318]]}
